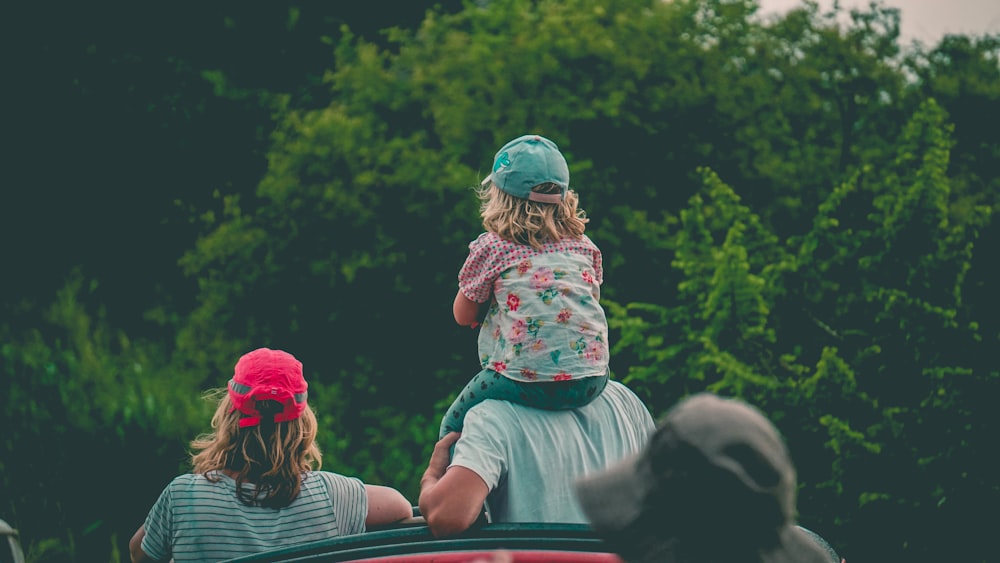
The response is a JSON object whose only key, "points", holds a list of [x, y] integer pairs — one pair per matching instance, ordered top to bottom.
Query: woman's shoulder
{"points": [[187, 478], [211, 478], [335, 480], [197, 485]]}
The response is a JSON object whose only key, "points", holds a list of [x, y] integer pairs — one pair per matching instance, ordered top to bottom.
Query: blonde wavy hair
{"points": [[530, 222], [274, 457]]}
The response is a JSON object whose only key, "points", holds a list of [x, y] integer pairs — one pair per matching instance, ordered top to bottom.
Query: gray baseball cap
{"points": [[526, 162], [714, 482]]}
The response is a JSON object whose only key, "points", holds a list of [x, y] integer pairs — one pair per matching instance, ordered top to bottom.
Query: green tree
{"points": [[854, 337], [84, 406]]}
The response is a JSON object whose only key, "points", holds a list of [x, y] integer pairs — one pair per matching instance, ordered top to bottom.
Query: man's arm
{"points": [[450, 499]]}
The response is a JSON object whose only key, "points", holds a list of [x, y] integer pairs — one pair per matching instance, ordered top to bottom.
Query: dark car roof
{"points": [[526, 543]]}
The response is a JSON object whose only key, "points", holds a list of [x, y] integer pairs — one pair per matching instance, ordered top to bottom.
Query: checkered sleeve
{"points": [[598, 265], [475, 279]]}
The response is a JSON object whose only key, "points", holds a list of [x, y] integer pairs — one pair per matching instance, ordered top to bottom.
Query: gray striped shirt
{"points": [[198, 521]]}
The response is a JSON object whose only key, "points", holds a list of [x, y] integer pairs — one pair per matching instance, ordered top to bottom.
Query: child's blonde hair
{"points": [[530, 222]]}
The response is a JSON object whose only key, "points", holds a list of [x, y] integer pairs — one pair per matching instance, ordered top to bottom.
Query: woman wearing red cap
{"points": [[256, 483]]}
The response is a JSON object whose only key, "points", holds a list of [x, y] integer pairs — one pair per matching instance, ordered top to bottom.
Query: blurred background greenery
{"points": [[791, 211]]}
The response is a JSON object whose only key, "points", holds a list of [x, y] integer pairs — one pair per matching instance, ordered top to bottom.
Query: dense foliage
{"points": [[791, 211]]}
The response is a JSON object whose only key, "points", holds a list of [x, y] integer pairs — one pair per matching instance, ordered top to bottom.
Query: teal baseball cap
{"points": [[526, 162]]}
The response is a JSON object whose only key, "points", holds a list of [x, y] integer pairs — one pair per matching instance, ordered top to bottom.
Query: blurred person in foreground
{"points": [[256, 483], [715, 483]]}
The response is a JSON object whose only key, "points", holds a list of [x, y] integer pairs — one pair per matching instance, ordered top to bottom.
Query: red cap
{"points": [[266, 374]]}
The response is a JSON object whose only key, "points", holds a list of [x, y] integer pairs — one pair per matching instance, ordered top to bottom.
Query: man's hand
{"points": [[440, 458], [450, 499]]}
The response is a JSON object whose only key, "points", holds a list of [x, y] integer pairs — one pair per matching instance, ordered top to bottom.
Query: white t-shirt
{"points": [[529, 457]]}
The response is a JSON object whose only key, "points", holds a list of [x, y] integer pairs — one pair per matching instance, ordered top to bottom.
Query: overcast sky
{"points": [[924, 20]]}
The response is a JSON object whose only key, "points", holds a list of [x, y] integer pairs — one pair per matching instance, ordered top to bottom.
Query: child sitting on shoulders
{"points": [[544, 339]]}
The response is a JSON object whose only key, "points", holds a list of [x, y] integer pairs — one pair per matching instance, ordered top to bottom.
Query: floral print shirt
{"points": [[545, 321]]}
